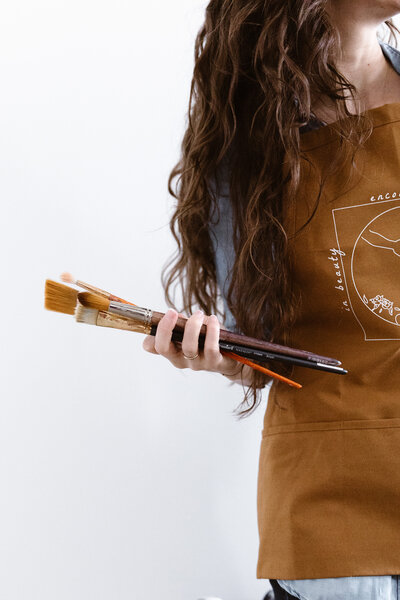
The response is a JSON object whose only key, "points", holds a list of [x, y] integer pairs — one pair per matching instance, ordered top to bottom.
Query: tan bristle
{"points": [[67, 278], [59, 297], [93, 301], [86, 315]]}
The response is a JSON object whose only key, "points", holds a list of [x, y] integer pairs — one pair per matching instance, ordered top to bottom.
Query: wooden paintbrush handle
{"points": [[249, 342]]}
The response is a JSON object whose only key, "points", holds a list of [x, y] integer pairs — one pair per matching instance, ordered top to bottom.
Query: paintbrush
{"points": [[68, 278], [62, 298], [149, 318]]}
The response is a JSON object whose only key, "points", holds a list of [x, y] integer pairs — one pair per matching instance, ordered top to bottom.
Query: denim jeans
{"points": [[380, 587]]}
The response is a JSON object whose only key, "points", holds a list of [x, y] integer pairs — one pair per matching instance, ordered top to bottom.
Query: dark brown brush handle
{"points": [[249, 342], [259, 355]]}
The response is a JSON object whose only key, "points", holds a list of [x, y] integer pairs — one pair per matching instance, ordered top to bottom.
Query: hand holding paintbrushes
{"points": [[64, 299], [103, 309]]}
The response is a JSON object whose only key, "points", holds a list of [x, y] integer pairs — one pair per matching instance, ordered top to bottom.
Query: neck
{"points": [[360, 59]]}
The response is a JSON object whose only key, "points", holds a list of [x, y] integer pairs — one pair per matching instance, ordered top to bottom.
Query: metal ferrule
{"points": [[131, 312]]}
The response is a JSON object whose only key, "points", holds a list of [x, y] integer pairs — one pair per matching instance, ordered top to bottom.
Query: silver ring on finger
{"points": [[190, 357]]}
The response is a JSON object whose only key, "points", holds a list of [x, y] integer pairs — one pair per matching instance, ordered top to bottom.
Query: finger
{"points": [[190, 340], [162, 341], [148, 344], [212, 354], [215, 359]]}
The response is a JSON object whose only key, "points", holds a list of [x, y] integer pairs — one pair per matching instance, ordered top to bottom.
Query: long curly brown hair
{"points": [[259, 66]]}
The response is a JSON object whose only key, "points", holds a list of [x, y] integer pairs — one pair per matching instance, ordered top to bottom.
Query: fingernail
{"points": [[171, 312], [199, 312]]}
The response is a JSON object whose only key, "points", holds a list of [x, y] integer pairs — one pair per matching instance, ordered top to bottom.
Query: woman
{"points": [[288, 204]]}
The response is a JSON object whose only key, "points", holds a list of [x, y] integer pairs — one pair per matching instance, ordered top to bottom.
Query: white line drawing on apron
{"points": [[395, 243], [379, 293]]}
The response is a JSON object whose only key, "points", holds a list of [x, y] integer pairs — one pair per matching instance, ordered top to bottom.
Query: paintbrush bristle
{"points": [[67, 278], [59, 297], [93, 301], [86, 315]]}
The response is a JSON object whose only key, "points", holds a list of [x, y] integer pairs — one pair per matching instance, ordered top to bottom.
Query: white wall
{"points": [[120, 476]]}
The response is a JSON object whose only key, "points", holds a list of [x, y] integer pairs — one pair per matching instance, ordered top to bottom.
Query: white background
{"points": [[120, 476]]}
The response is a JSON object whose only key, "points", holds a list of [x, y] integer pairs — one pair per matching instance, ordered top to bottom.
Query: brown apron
{"points": [[329, 473]]}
